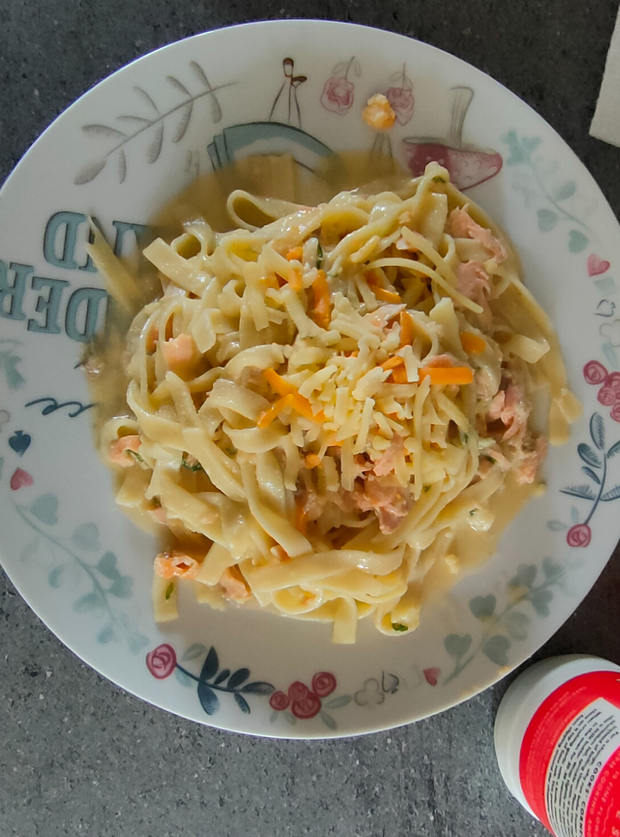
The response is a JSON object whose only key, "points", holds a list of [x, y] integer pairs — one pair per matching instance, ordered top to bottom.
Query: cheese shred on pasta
{"points": [[320, 406]]}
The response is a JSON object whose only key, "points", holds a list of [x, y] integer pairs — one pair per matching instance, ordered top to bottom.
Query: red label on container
{"points": [[561, 720], [603, 812]]}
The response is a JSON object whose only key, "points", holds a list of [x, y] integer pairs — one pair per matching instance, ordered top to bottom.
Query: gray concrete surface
{"points": [[78, 756]]}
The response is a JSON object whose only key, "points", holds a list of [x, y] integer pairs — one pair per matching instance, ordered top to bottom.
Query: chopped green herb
{"points": [[438, 179], [319, 255], [230, 450], [136, 455], [490, 458], [191, 463], [426, 488], [472, 512], [169, 590], [396, 626]]}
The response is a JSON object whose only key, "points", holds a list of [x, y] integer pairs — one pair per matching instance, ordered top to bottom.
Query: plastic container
{"points": [[557, 741]]}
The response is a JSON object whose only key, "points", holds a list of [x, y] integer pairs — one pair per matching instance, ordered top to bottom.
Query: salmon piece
{"points": [[379, 113], [462, 225], [473, 281], [178, 351], [443, 361], [496, 406], [514, 413], [118, 450], [387, 461], [528, 469], [387, 499], [175, 564], [233, 584]]}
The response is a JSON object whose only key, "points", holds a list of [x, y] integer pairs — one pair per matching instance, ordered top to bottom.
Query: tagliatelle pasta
{"points": [[327, 411]]}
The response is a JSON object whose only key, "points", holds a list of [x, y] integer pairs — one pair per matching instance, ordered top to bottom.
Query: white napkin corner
{"points": [[606, 122]]}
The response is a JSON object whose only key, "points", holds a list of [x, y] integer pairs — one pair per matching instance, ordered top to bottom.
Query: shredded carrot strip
{"points": [[295, 253], [295, 280], [270, 282], [385, 295], [321, 300], [406, 328], [473, 343], [391, 362], [399, 375], [444, 375], [277, 382], [296, 402], [302, 406], [265, 419], [312, 460]]}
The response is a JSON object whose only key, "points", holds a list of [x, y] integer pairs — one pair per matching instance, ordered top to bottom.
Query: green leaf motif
{"points": [[565, 191], [547, 219], [577, 241], [610, 354], [9, 363], [597, 430], [613, 450], [589, 455], [590, 473], [582, 491], [612, 494], [45, 509], [574, 514], [556, 526], [86, 537], [107, 566], [552, 571], [526, 574], [55, 576], [122, 587], [540, 601], [87, 603], [483, 607], [517, 624], [106, 635], [136, 641], [457, 644], [496, 649], [194, 651], [210, 665], [238, 677], [258, 687], [208, 699], [337, 702], [242, 703], [328, 720]]}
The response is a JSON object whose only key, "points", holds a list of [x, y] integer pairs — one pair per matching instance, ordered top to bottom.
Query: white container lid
{"points": [[521, 701]]}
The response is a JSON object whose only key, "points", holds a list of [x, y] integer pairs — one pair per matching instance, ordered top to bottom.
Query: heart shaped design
{"points": [[577, 241], [596, 265], [606, 308], [20, 442], [20, 478], [483, 607], [432, 675]]}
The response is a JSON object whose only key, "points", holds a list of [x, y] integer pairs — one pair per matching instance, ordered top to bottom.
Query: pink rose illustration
{"points": [[338, 92], [400, 95], [402, 101], [594, 372], [606, 396], [615, 411], [579, 535], [161, 661], [323, 683], [279, 701], [306, 707]]}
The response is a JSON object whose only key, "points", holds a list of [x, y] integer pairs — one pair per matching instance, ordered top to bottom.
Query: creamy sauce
{"points": [[281, 177]]}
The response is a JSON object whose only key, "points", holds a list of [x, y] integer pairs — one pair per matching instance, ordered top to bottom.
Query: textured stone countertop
{"points": [[78, 755]]}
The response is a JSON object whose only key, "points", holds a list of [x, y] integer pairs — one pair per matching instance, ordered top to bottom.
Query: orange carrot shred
{"points": [[295, 253], [385, 295], [321, 300], [406, 328], [473, 343], [391, 362], [399, 375], [445, 375], [277, 382], [265, 419], [312, 460], [301, 519]]}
